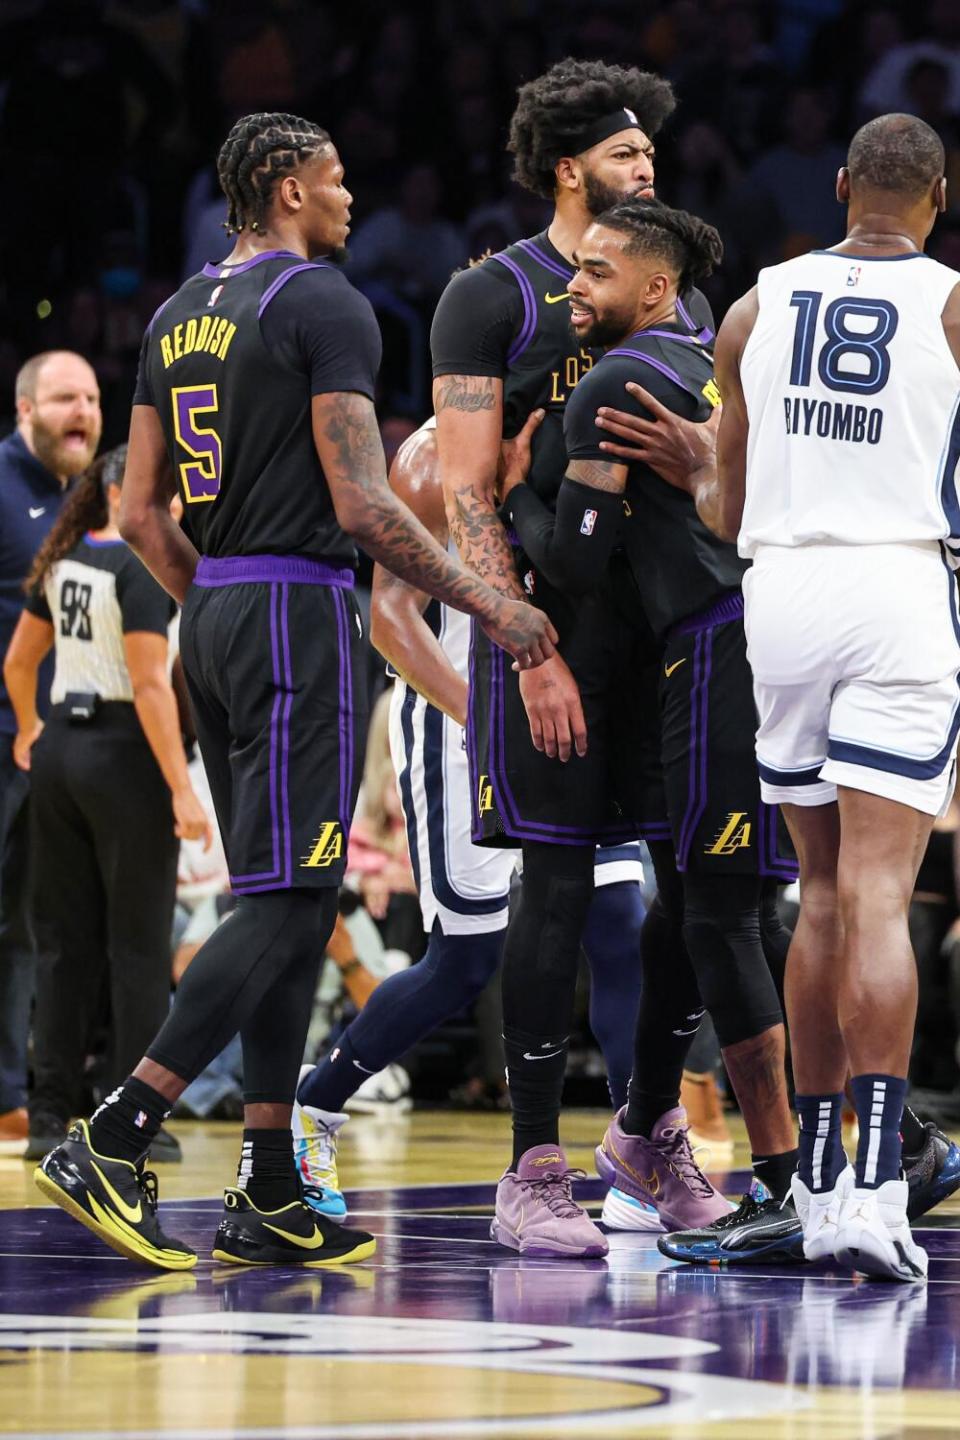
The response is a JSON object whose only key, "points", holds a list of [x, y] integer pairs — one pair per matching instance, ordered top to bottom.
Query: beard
{"points": [[600, 196], [338, 255], [605, 330], [56, 455]]}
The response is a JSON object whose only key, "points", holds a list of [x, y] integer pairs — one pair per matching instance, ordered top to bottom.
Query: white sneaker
{"points": [[388, 1089], [315, 1136], [627, 1212], [819, 1213], [873, 1235]]}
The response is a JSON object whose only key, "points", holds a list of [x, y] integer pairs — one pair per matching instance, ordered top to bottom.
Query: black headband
{"points": [[603, 128]]}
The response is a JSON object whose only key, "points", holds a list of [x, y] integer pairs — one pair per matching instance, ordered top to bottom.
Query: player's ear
{"points": [[568, 174], [843, 185], [291, 192], [940, 195], [657, 286]]}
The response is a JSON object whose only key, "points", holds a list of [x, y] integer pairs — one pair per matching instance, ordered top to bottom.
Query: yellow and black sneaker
{"points": [[114, 1198], [292, 1235]]}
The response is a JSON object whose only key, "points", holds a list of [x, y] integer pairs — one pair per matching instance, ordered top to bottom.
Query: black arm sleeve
{"points": [[476, 321], [318, 323], [572, 547], [36, 604], [144, 605]]}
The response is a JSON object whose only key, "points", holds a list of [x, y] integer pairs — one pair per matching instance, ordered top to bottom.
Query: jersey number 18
{"points": [[865, 348]]}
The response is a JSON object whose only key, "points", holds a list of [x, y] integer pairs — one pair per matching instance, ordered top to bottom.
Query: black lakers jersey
{"points": [[509, 316], [230, 363], [679, 566]]}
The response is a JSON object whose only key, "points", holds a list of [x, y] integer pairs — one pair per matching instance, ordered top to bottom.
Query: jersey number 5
{"points": [[855, 361], [200, 475]]}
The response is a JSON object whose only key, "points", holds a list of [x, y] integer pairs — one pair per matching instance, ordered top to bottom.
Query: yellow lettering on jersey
{"points": [[203, 331], [216, 335], [190, 336], [177, 342], [225, 342], [166, 351], [711, 392], [556, 397], [484, 796], [734, 836], [327, 847]]}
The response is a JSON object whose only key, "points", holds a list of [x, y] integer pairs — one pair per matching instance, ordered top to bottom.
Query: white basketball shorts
{"points": [[855, 653], [463, 885]]}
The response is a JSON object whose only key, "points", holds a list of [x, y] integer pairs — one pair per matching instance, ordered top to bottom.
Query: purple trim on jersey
{"points": [[215, 272], [566, 272], [276, 285], [529, 308], [662, 335], [702, 336], [660, 365], [213, 571], [718, 612], [699, 701], [346, 712], [285, 733], [473, 768], [772, 863]]}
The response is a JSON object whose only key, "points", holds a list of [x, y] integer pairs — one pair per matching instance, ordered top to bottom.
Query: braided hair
{"points": [[260, 150], [691, 247], [85, 509]]}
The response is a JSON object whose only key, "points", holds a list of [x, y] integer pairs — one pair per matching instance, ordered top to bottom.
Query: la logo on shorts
{"points": [[588, 522], [484, 795], [734, 836], [327, 847]]}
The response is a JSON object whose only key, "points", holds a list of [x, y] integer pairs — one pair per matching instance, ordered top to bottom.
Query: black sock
{"points": [[535, 1071], [643, 1111], [128, 1120], [913, 1132], [776, 1171], [267, 1172]]}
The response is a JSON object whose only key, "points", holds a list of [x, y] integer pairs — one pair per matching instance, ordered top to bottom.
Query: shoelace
{"points": [[321, 1149], [680, 1158], [149, 1188], [316, 1190], [555, 1190]]}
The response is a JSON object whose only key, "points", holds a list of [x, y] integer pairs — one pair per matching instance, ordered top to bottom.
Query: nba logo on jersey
{"points": [[853, 276], [215, 296], [588, 522]]}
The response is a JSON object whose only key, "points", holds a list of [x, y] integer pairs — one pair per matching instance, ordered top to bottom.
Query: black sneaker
{"points": [[46, 1132], [165, 1149], [933, 1173], [114, 1198], [761, 1230], [292, 1235]]}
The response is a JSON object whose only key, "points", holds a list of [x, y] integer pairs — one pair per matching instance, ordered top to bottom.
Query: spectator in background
{"points": [[887, 86], [789, 192], [409, 246], [57, 434], [110, 797]]}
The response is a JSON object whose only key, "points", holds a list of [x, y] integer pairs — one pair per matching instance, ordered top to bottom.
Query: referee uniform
{"points": [[102, 829]]}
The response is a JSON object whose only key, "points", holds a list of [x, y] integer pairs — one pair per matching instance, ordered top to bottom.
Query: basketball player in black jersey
{"points": [[255, 399], [549, 767]]}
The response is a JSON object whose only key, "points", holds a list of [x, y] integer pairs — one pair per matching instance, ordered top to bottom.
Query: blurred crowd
{"points": [[115, 111]]}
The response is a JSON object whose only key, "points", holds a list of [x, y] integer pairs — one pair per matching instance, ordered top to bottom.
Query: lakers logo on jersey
{"points": [[711, 392], [484, 796], [734, 836], [327, 847]]}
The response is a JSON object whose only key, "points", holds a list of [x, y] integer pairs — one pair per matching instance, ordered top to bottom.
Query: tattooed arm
{"points": [[469, 411], [348, 443], [397, 627]]}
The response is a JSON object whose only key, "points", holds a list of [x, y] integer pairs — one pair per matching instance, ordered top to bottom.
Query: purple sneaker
{"points": [[655, 1184], [536, 1212]]}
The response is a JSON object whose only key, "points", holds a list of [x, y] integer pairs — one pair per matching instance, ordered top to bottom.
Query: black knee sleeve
{"points": [[722, 930], [775, 936], [542, 946], [235, 971]]}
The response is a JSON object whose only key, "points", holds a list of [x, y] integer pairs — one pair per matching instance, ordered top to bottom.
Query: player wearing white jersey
{"points": [[836, 464], [463, 888]]}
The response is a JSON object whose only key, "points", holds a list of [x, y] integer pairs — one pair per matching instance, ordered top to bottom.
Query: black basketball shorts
{"points": [[272, 651], [709, 725], [608, 796]]}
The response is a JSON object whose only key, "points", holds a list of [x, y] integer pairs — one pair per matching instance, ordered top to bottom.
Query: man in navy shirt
{"points": [[58, 430]]}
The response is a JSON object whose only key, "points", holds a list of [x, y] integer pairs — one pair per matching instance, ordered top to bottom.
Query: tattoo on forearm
{"points": [[469, 393], [599, 474], [389, 532], [482, 542]]}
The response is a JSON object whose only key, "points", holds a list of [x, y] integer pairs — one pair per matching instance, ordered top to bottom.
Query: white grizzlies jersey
{"points": [[852, 397]]}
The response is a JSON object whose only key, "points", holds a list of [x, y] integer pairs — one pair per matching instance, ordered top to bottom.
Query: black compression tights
{"points": [[540, 956], [255, 976]]}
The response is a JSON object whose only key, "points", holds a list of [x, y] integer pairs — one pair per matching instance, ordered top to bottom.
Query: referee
{"points": [[110, 796]]}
